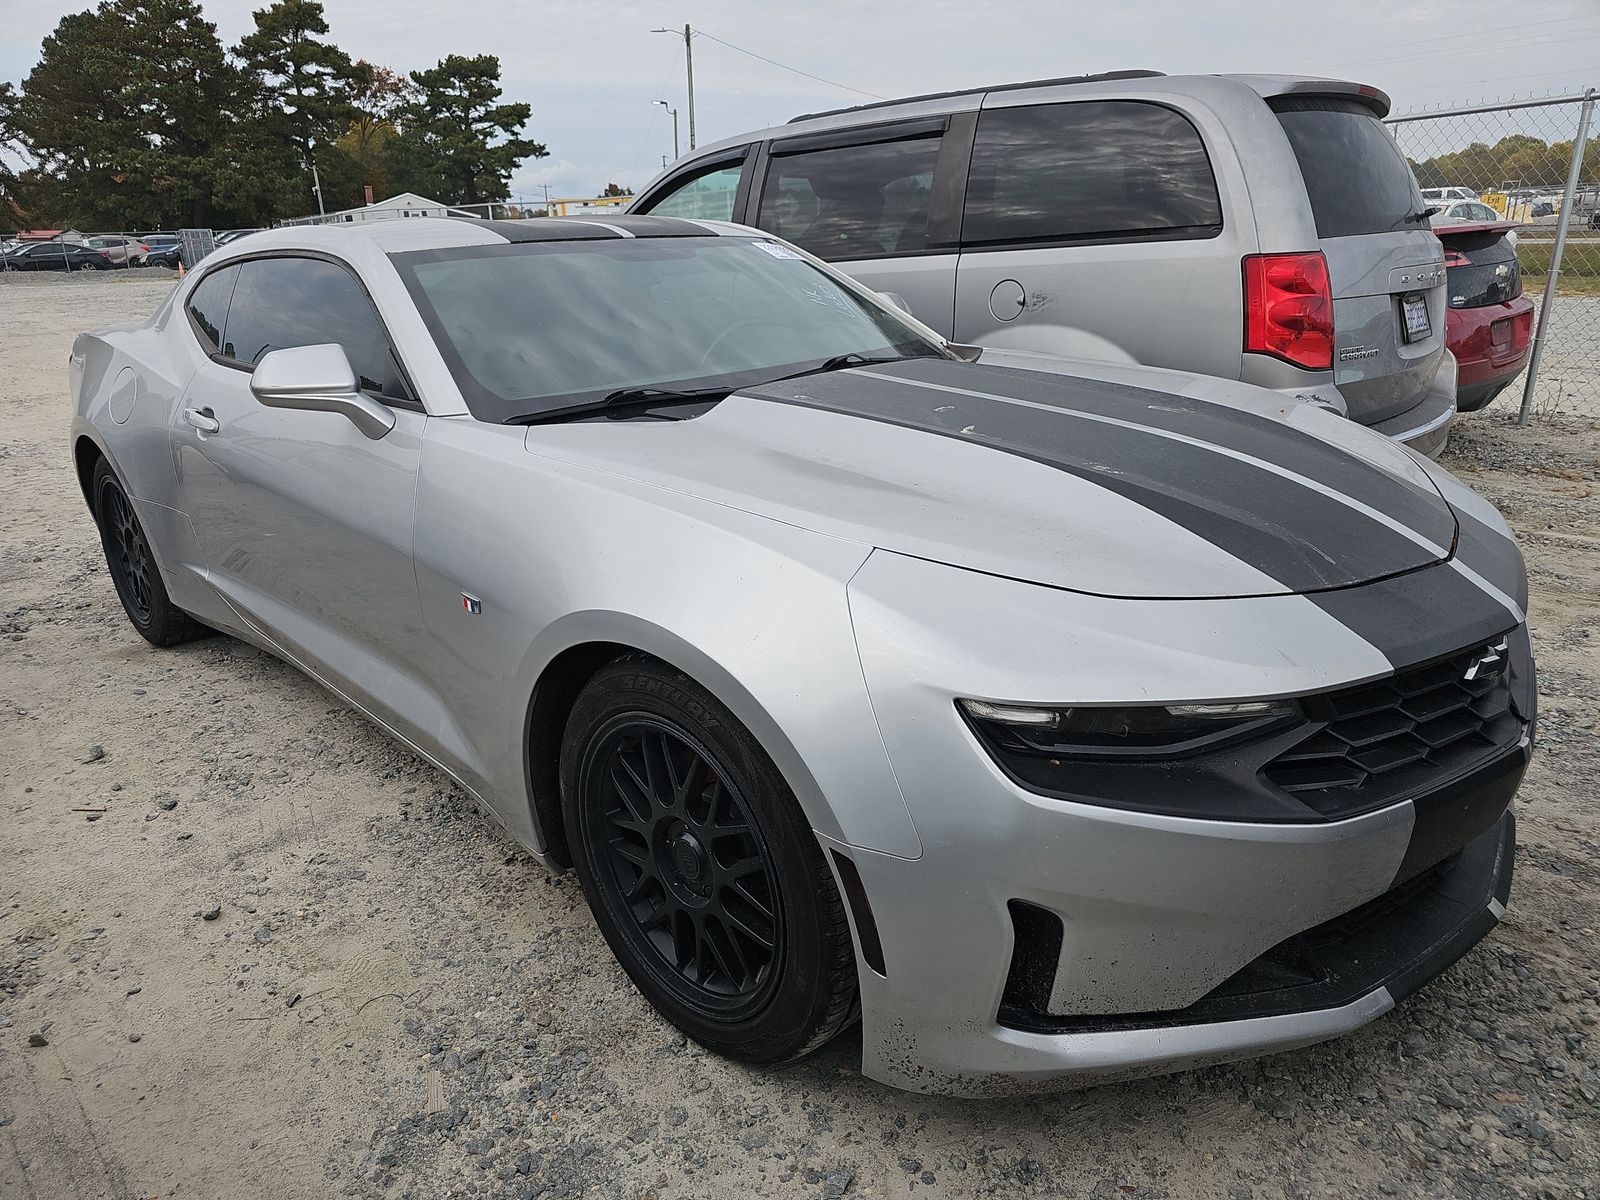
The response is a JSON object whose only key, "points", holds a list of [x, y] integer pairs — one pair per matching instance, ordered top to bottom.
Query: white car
{"points": [[1468, 212]]}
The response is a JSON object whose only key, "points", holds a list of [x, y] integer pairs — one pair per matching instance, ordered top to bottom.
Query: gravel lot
{"points": [[250, 948]]}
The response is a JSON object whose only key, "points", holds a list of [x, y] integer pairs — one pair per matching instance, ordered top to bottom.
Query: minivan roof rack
{"points": [[1002, 87]]}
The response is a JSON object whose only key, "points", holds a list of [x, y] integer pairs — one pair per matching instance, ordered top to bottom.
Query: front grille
{"points": [[1378, 742]]}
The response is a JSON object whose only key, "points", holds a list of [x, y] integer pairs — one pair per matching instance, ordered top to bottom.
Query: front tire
{"points": [[133, 568], [700, 868]]}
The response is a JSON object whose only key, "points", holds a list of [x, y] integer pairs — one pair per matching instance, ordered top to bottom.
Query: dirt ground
{"points": [[251, 948]]}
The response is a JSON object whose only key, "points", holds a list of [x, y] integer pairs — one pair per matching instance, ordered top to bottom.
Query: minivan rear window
{"points": [[1091, 170], [1355, 175]]}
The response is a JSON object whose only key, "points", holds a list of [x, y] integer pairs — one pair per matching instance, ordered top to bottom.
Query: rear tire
{"points": [[133, 568], [700, 868]]}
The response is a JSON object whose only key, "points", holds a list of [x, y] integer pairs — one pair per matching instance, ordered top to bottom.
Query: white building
{"points": [[406, 204]]}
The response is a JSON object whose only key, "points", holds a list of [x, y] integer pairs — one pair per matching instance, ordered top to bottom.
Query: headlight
{"points": [[1167, 730]]}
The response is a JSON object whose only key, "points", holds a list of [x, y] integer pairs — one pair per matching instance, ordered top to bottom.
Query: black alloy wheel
{"points": [[127, 553], [133, 567], [684, 861], [701, 870]]}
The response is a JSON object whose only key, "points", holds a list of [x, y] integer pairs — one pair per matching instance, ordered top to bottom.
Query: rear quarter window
{"points": [[1088, 171], [1355, 176], [208, 306]]}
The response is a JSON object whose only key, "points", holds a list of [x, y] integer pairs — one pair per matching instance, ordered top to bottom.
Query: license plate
{"points": [[1414, 318]]}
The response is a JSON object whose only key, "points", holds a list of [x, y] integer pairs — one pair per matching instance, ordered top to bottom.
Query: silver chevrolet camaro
{"points": [[1065, 721]]}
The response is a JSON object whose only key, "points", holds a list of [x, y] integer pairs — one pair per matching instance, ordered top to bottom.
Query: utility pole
{"points": [[688, 59], [676, 153], [316, 180], [546, 188]]}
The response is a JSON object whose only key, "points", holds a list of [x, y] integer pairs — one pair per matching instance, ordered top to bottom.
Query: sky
{"points": [[591, 70]]}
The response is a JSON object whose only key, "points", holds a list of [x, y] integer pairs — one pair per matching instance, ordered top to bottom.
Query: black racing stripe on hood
{"points": [[1416, 505], [1304, 539], [1494, 556], [1420, 616]]}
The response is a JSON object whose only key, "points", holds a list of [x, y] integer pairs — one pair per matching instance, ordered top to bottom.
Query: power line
{"points": [[1448, 37], [1470, 51], [786, 67]]}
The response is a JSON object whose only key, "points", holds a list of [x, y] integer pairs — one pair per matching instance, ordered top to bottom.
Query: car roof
{"points": [[1132, 84], [397, 236]]}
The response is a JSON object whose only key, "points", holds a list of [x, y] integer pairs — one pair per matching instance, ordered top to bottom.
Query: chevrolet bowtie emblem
{"points": [[1488, 661]]}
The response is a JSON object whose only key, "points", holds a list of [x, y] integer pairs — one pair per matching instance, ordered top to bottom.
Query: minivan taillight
{"points": [[1288, 308]]}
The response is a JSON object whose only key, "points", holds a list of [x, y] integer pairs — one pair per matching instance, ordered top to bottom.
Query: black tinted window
{"points": [[1099, 169], [1356, 177], [852, 201], [283, 302], [208, 305], [543, 326]]}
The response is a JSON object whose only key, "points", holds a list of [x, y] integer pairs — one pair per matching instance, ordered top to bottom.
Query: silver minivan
{"points": [[1254, 227]]}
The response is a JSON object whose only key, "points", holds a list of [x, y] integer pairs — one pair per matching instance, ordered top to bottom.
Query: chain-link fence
{"points": [[1535, 162], [70, 251]]}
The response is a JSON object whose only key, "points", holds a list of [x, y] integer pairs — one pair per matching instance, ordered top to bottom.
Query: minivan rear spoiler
{"points": [[1273, 86]]}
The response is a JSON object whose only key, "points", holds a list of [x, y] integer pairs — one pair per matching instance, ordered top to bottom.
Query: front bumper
{"points": [[1455, 909], [1171, 933]]}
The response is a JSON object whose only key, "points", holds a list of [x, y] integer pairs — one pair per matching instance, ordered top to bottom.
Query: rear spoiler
{"points": [[1362, 93], [1444, 231]]}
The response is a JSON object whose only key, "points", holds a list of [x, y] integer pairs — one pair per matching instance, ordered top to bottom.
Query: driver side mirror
{"points": [[318, 379]]}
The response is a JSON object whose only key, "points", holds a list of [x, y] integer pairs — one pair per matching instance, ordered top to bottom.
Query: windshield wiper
{"points": [[1417, 218], [841, 362], [622, 400]]}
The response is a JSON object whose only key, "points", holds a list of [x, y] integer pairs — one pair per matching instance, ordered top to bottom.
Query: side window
{"points": [[1094, 169], [708, 196], [852, 201], [283, 302], [208, 306]]}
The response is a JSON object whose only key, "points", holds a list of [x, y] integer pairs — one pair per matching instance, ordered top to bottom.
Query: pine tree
{"points": [[300, 89], [121, 114], [458, 143]]}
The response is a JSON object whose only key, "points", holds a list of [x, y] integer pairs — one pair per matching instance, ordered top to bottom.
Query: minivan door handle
{"points": [[202, 419]]}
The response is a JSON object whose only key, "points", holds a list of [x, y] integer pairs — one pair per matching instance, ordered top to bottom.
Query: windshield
{"points": [[1356, 177], [538, 327]]}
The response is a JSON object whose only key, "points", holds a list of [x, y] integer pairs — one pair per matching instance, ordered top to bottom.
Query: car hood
{"points": [[1085, 484]]}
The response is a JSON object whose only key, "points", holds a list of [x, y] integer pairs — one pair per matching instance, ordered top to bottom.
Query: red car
{"points": [[1489, 326]]}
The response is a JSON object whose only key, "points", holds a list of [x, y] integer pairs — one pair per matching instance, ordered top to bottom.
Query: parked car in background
{"points": [[1445, 195], [1586, 207], [1473, 212], [1260, 228], [229, 235], [164, 245], [123, 251], [163, 254], [57, 256], [1490, 322], [1063, 728]]}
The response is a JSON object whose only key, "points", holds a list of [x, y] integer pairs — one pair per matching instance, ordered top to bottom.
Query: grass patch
{"points": [[1566, 285]]}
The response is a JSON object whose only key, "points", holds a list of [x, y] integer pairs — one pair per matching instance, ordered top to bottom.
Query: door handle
{"points": [[202, 419]]}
